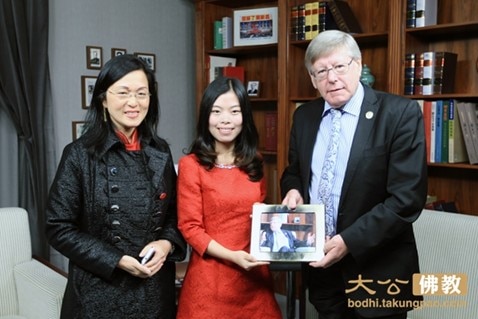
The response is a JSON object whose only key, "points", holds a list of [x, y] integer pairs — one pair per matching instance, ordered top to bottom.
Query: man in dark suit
{"points": [[379, 185], [283, 240]]}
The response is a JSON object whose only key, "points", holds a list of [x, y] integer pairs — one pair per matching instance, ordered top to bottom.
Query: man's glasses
{"points": [[339, 69], [125, 95]]}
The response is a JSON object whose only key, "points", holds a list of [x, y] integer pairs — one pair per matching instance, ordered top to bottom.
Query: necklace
{"points": [[226, 166]]}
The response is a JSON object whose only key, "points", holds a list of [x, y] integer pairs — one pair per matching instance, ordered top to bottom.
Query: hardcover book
{"points": [[426, 12], [411, 13], [344, 16], [294, 19], [308, 21], [301, 22], [226, 32], [217, 35], [216, 61], [444, 69], [230, 71], [428, 72], [409, 73], [418, 77], [466, 130], [271, 131], [456, 144]]}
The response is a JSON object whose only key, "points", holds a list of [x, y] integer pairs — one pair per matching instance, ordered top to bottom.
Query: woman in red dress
{"points": [[219, 181]]}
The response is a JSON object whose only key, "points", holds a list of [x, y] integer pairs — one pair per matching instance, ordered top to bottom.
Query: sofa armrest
{"points": [[39, 289]]}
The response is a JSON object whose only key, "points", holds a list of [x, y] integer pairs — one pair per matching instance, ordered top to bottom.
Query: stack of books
{"points": [[309, 19], [430, 72]]}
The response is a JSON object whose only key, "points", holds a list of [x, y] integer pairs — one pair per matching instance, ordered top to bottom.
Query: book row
{"points": [[308, 19], [430, 72], [451, 130]]}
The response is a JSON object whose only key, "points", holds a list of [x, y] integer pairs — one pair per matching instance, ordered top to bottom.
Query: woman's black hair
{"points": [[98, 124], [247, 157]]}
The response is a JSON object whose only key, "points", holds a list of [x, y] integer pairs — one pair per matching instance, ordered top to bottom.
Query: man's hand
{"points": [[292, 199], [334, 249]]}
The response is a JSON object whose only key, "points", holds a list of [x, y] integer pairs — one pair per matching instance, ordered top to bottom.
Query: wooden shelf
{"points": [[442, 31]]}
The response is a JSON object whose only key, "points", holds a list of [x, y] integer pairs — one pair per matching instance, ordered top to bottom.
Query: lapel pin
{"points": [[369, 115]]}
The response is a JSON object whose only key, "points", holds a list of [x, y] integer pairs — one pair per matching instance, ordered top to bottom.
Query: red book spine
{"points": [[271, 131]]}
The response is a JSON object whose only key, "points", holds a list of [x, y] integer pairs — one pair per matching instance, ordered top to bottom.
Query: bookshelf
{"points": [[456, 31], [384, 42]]}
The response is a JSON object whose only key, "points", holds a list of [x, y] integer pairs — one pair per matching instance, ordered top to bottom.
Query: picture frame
{"points": [[255, 26], [117, 51], [94, 57], [148, 58], [87, 86], [253, 88], [77, 129], [306, 223]]}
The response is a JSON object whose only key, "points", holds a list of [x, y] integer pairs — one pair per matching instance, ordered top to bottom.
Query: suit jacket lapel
{"points": [[364, 128]]}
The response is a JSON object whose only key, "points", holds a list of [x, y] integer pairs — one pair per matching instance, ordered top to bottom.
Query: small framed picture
{"points": [[255, 26], [117, 51], [94, 57], [148, 58], [87, 87], [253, 88], [77, 129], [302, 233]]}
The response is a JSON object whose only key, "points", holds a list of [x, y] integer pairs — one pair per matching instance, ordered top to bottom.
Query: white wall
{"points": [[162, 27]]}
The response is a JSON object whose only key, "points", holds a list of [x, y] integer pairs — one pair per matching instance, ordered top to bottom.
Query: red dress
{"points": [[217, 204]]}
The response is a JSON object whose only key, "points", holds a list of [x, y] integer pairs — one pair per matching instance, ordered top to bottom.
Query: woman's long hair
{"points": [[98, 123], [247, 157]]}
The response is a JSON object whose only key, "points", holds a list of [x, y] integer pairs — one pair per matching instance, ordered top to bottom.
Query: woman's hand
{"points": [[245, 260], [131, 265]]}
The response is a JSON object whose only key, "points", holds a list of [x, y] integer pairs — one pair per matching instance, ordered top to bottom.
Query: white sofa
{"points": [[447, 244], [28, 288]]}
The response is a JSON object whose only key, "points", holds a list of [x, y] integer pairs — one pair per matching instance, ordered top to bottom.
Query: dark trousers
{"points": [[331, 303]]}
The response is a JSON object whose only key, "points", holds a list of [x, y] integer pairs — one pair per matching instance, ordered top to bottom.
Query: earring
{"points": [[104, 115]]}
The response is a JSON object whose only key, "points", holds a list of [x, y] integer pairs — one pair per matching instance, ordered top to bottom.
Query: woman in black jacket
{"points": [[114, 199]]}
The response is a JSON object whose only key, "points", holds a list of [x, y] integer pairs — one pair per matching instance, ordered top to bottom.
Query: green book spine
{"points": [[217, 35]]}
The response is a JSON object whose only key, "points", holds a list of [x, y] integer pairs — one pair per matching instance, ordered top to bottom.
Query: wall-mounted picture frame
{"points": [[255, 26], [117, 51], [94, 57], [148, 58], [87, 86], [253, 88], [77, 129], [303, 228]]}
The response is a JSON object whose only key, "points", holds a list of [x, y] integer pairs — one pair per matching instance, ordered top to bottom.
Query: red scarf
{"points": [[134, 145]]}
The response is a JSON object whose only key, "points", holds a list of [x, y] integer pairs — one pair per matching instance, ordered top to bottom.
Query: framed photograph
{"points": [[255, 26], [117, 51], [94, 57], [148, 58], [87, 87], [253, 88], [77, 129], [302, 232]]}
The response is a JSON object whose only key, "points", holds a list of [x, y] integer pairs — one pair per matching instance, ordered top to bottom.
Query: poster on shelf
{"points": [[255, 26]]}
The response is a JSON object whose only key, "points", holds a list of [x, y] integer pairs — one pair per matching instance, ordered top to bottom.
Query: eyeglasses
{"points": [[338, 69], [125, 95]]}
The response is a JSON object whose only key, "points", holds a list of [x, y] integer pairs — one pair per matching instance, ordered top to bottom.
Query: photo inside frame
{"points": [[279, 234]]}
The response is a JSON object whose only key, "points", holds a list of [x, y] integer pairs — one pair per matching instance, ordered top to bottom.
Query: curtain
{"points": [[25, 97]]}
